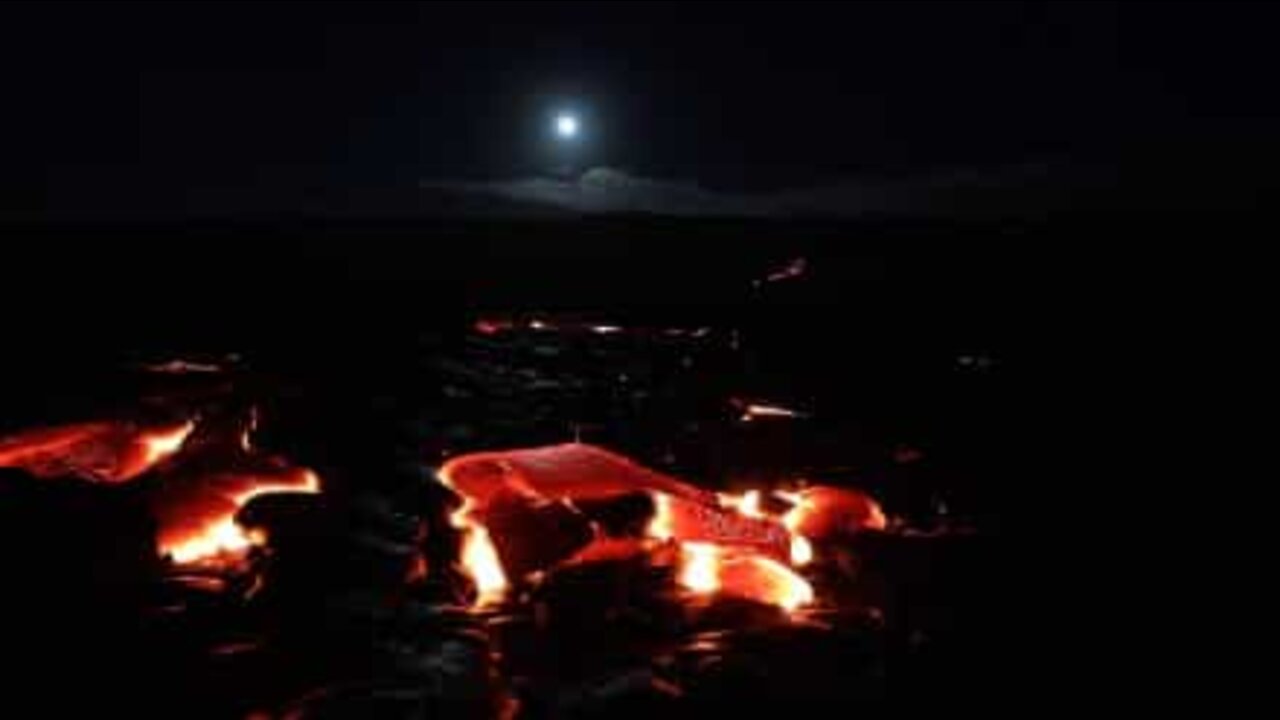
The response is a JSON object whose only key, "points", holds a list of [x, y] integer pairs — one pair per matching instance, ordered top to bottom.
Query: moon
{"points": [[566, 126]]}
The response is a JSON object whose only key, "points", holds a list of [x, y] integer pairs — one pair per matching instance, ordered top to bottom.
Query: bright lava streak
{"points": [[753, 412], [160, 445], [801, 551], [479, 556], [701, 571]]}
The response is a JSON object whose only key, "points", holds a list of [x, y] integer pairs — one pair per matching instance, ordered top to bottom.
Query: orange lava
{"points": [[158, 445], [109, 452], [572, 470], [748, 503], [194, 512], [821, 512], [197, 519], [721, 521], [662, 524], [727, 543], [722, 544], [801, 548], [609, 550], [479, 557], [708, 569]]}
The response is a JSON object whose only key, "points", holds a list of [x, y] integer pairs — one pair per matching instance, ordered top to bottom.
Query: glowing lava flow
{"points": [[157, 446], [109, 452], [748, 504], [194, 511], [822, 512], [662, 525], [219, 535], [221, 538], [726, 545], [801, 548], [801, 551], [479, 556], [700, 567], [707, 568], [759, 578]]}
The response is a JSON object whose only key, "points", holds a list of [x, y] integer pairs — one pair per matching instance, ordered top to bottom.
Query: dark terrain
{"points": [[919, 353]]}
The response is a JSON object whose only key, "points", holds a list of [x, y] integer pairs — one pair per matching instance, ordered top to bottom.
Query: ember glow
{"points": [[794, 269], [492, 327], [183, 367], [755, 411], [246, 435]]}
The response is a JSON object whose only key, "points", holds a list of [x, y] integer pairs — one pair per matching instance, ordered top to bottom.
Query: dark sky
{"points": [[135, 98]]}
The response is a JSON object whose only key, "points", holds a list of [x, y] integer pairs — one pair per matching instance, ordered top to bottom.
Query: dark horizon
{"points": [[254, 104]]}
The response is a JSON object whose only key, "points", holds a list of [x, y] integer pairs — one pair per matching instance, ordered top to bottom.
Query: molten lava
{"points": [[157, 446], [108, 452], [572, 470], [748, 504], [194, 512], [821, 512], [197, 518], [724, 520], [662, 524], [727, 544], [801, 548], [479, 557], [699, 567], [707, 569], [763, 580]]}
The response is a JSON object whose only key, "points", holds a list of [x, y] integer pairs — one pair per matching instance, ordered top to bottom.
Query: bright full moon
{"points": [[567, 126]]}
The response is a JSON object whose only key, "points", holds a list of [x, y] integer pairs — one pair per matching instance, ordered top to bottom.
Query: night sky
{"points": [[126, 100]]}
